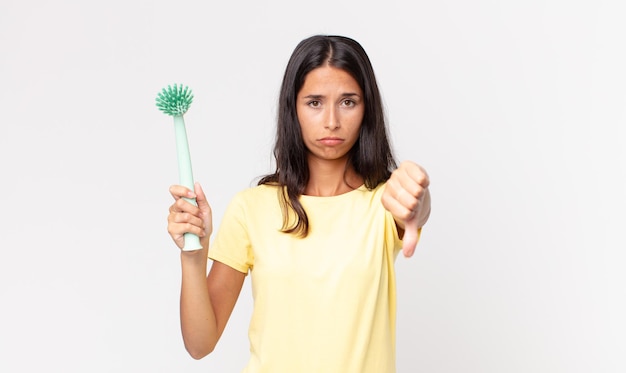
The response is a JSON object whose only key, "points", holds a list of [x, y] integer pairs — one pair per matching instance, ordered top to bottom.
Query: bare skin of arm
{"points": [[206, 301]]}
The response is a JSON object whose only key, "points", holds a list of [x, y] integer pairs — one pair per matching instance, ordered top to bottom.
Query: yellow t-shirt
{"points": [[325, 303]]}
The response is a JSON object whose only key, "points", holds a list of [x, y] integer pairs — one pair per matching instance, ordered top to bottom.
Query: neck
{"points": [[331, 178]]}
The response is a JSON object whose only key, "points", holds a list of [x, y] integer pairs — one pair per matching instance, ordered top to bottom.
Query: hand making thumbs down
{"points": [[407, 197]]}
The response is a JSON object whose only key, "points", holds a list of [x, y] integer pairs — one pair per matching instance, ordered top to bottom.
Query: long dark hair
{"points": [[371, 156]]}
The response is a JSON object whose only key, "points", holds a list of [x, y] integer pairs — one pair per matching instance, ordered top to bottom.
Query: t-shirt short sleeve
{"points": [[231, 245]]}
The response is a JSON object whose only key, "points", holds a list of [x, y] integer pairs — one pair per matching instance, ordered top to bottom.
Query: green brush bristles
{"points": [[174, 100]]}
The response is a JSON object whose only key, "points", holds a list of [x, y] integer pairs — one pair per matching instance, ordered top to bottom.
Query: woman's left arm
{"points": [[407, 197]]}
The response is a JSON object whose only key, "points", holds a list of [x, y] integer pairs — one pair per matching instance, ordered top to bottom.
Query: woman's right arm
{"points": [[206, 302]]}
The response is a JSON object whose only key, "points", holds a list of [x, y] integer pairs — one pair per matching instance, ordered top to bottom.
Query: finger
{"points": [[419, 175], [413, 181], [179, 191], [201, 199], [404, 203], [185, 205], [396, 207], [205, 209], [186, 218], [180, 223], [177, 230], [409, 240]]}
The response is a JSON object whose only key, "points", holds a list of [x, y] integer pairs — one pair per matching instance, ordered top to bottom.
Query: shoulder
{"points": [[379, 189], [257, 192], [376, 192], [254, 198], [255, 208]]}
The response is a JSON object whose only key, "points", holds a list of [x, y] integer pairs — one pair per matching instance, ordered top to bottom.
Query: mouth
{"points": [[331, 141]]}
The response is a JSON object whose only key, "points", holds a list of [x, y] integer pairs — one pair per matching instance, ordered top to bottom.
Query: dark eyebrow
{"points": [[314, 97], [317, 97]]}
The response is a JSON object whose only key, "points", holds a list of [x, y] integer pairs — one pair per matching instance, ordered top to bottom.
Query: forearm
{"points": [[197, 317]]}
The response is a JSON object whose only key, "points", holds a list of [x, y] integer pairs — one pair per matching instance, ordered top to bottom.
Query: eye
{"points": [[314, 103], [348, 103]]}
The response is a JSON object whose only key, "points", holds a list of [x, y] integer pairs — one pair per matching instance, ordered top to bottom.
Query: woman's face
{"points": [[330, 109]]}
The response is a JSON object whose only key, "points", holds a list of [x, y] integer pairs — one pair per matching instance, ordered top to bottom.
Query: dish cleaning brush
{"points": [[175, 101]]}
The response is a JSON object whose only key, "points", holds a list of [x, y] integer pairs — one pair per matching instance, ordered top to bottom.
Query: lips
{"points": [[331, 141]]}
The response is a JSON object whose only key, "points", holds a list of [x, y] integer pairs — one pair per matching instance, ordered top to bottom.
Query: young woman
{"points": [[319, 236]]}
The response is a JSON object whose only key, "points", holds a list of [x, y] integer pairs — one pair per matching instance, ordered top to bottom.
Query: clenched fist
{"points": [[407, 197]]}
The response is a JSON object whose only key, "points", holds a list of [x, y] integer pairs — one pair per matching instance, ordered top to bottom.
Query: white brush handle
{"points": [[185, 175]]}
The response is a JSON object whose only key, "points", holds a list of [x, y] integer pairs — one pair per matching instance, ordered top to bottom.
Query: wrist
{"points": [[194, 258]]}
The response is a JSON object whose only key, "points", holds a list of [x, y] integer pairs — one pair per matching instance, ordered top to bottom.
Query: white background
{"points": [[517, 109]]}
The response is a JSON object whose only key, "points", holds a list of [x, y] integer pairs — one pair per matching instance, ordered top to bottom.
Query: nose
{"points": [[332, 119]]}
